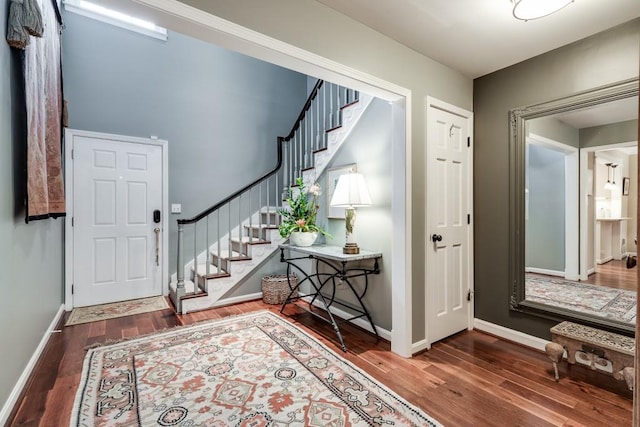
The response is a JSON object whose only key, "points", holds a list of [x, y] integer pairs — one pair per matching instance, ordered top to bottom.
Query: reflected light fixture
{"points": [[527, 10], [609, 185], [351, 191]]}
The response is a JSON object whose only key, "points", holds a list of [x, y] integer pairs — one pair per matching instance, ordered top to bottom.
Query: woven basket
{"points": [[275, 289]]}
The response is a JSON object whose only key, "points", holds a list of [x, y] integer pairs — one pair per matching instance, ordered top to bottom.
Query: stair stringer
{"points": [[351, 115]]}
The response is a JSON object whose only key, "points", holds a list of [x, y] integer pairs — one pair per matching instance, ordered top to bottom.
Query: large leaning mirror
{"points": [[573, 204]]}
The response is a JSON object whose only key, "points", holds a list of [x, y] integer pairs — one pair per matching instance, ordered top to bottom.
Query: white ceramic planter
{"points": [[303, 238]]}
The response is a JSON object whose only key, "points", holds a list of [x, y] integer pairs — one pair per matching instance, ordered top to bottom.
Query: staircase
{"points": [[233, 238]]}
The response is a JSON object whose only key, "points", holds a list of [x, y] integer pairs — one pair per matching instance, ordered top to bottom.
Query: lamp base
{"points": [[351, 249]]}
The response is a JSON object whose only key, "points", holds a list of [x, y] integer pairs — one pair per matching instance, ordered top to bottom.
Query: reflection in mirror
{"points": [[574, 169]]}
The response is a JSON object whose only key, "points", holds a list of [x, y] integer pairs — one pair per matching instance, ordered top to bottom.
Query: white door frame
{"points": [[179, 16], [432, 102], [69, 135], [572, 201], [584, 220]]}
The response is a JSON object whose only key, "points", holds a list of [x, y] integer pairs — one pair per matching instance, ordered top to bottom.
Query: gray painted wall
{"points": [[312, 26], [605, 58], [220, 111], [554, 129], [613, 133], [369, 147], [545, 240], [30, 254]]}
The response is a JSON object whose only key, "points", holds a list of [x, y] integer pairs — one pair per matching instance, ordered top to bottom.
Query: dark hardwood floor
{"points": [[615, 274], [470, 379]]}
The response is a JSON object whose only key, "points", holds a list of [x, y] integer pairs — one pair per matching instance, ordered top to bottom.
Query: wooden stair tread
{"points": [[350, 104], [332, 129], [263, 226], [246, 240], [240, 258], [213, 271], [215, 275], [191, 295]]}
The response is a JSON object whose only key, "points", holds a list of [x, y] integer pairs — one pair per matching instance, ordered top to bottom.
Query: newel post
{"points": [[180, 270]]}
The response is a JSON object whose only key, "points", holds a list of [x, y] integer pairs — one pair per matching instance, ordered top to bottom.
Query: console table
{"points": [[335, 271]]}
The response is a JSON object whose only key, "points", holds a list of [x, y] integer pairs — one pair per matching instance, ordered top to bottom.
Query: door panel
{"points": [[117, 186], [448, 195]]}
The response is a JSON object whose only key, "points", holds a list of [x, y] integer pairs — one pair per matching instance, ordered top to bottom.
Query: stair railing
{"points": [[235, 213]]}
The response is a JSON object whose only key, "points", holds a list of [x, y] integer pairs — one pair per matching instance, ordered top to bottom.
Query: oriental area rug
{"points": [[611, 303], [95, 313], [251, 370]]}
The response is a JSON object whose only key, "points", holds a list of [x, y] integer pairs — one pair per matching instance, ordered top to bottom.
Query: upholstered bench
{"points": [[600, 350]]}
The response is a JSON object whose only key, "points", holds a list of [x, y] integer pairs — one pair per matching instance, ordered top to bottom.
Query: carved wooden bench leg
{"points": [[555, 352], [629, 376]]}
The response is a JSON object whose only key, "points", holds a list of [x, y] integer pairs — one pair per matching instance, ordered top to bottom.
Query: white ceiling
{"points": [[478, 37], [611, 112]]}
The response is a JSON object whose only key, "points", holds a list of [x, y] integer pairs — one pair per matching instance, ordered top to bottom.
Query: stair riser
{"points": [[271, 218], [257, 232], [241, 248], [223, 263]]}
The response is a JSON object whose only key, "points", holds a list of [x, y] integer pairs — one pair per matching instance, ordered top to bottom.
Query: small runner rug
{"points": [[611, 303], [116, 309], [251, 370]]}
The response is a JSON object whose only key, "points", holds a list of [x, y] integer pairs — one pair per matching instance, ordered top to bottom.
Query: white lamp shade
{"points": [[533, 9], [351, 190]]}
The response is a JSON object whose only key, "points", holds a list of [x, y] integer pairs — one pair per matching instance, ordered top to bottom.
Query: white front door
{"points": [[117, 185], [448, 270]]}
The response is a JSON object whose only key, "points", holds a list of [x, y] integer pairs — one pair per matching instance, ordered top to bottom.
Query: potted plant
{"points": [[299, 219]]}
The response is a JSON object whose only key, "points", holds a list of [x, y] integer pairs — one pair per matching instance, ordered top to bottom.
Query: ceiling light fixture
{"points": [[527, 10]]}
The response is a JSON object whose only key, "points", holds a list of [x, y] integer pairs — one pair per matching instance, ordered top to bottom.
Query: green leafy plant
{"points": [[302, 211]]}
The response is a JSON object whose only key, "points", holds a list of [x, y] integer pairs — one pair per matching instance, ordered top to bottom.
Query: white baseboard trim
{"points": [[604, 260], [544, 271], [591, 271], [237, 300], [362, 323], [510, 334], [419, 346], [26, 373]]}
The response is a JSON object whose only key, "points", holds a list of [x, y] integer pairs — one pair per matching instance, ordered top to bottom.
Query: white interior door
{"points": [[117, 185], [448, 252]]}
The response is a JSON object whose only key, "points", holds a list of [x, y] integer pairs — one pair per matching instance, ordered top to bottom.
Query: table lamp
{"points": [[351, 191]]}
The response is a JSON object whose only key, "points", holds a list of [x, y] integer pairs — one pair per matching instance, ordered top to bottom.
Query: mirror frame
{"points": [[517, 146]]}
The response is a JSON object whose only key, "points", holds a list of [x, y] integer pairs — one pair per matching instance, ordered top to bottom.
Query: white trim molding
{"points": [[109, 16], [544, 271], [360, 322], [510, 334], [6, 410]]}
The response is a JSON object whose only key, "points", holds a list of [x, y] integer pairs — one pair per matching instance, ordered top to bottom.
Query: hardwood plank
{"points": [[470, 379]]}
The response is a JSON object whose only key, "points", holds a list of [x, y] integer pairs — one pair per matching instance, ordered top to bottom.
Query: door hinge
{"points": [[468, 141], [72, 154], [468, 218], [72, 221], [71, 289], [469, 294]]}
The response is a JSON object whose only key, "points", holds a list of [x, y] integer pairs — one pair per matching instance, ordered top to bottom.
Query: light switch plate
{"points": [[176, 208]]}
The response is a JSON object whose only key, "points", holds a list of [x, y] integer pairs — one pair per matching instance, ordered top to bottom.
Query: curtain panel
{"points": [[43, 97]]}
